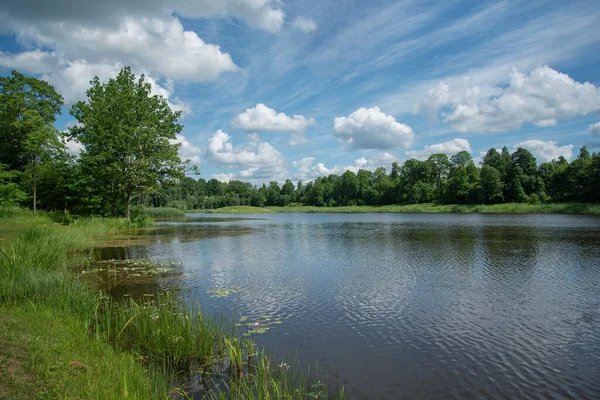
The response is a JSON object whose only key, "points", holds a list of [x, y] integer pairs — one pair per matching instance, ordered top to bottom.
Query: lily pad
{"points": [[224, 292]]}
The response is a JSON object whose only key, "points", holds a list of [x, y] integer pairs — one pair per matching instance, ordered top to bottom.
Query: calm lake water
{"points": [[404, 305]]}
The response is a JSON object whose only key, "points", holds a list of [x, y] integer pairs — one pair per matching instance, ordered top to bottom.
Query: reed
{"points": [[145, 343]]}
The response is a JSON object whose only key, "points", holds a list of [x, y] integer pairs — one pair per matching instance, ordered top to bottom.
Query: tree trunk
{"points": [[34, 186], [129, 207]]}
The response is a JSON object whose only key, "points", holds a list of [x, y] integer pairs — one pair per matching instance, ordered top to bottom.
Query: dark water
{"points": [[407, 305]]}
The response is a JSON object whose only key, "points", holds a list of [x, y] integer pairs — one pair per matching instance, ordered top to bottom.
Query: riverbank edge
{"points": [[507, 208], [63, 339], [46, 350]]}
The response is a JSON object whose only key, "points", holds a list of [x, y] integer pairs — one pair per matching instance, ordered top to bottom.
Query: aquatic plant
{"points": [[225, 292], [146, 342]]}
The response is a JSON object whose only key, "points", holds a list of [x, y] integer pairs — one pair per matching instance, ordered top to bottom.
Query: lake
{"points": [[401, 305]]}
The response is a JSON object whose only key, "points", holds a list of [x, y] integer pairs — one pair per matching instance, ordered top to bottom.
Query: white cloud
{"points": [[258, 14], [261, 14], [306, 25], [158, 46], [73, 47], [71, 78], [541, 98], [262, 118], [369, 128], [595, 129], [73, 147], [450, 147], [546, 150], [187, 151], [259, 161], [306, 171], [223, 177]]}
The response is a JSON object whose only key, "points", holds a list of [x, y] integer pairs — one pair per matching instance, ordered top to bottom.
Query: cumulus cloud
{"points": [[260, 14], [306, 25], [68, 42], [160, 47], [72, 78], [541, 98], [262, 118], [370, 128], [595, 129], [450, 147], [74, 148], [546, 150], [187, 151], [258, 161], [306, 171], [223, 177]]}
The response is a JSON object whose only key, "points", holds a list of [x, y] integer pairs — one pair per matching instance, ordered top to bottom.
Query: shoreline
{"points": [[427, 208], [138, 346]]}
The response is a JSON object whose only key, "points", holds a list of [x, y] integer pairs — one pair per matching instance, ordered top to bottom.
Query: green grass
{"points": [[508, 208], [237, 210], [163, 212], [75, 339], [47, 354]]}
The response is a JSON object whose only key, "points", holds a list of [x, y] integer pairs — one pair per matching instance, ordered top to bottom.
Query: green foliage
{"points": [[25, 104], [128, 137], [129, 160], [491, 185], [11, 193], [150, 341]]}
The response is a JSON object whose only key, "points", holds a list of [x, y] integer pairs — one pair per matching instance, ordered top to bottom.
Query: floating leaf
{"points": [[225, 292]]}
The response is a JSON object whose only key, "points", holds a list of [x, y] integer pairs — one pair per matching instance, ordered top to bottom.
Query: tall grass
{"points": [[160, 332]]}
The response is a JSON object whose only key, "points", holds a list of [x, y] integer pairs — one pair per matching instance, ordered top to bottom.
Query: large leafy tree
{"points": [[27, 105], [28, 108], [128, 137]]}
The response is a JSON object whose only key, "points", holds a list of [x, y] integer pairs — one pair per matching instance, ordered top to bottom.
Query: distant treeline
{"points": [[128, 158], [501, 177]]}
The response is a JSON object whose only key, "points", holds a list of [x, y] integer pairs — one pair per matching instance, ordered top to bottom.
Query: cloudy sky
{"points": [[303, 88]]}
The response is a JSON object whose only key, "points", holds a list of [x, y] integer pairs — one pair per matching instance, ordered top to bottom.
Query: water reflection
{"points": [[415, 306]]}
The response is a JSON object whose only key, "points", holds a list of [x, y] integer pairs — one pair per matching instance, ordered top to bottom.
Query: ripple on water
{"points": [[416, 306]]}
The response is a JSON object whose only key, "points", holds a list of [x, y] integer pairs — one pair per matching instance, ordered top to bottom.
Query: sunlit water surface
{"points": [[404, 305]]}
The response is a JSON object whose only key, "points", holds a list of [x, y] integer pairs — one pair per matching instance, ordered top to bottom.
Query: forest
{"points": [[129, 160]]}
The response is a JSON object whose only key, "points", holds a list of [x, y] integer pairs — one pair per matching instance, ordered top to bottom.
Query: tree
{"points": [[22, 98], [128, 136], [40, 144], [461, 159], [525, 160], [440, 168], [491, 185], [348, 188], [10, 191], [273, 194]]}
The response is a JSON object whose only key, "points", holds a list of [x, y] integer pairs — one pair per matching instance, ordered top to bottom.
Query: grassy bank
{"points": [[508, 208], [237, 210], [61, 339]]}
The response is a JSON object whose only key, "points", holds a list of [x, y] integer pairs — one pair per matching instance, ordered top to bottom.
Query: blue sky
{"points": [[298, 89]]}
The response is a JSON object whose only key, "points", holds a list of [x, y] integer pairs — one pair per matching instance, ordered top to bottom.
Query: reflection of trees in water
{"points": [[172, 234], [510, 251], [120, 280]]}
